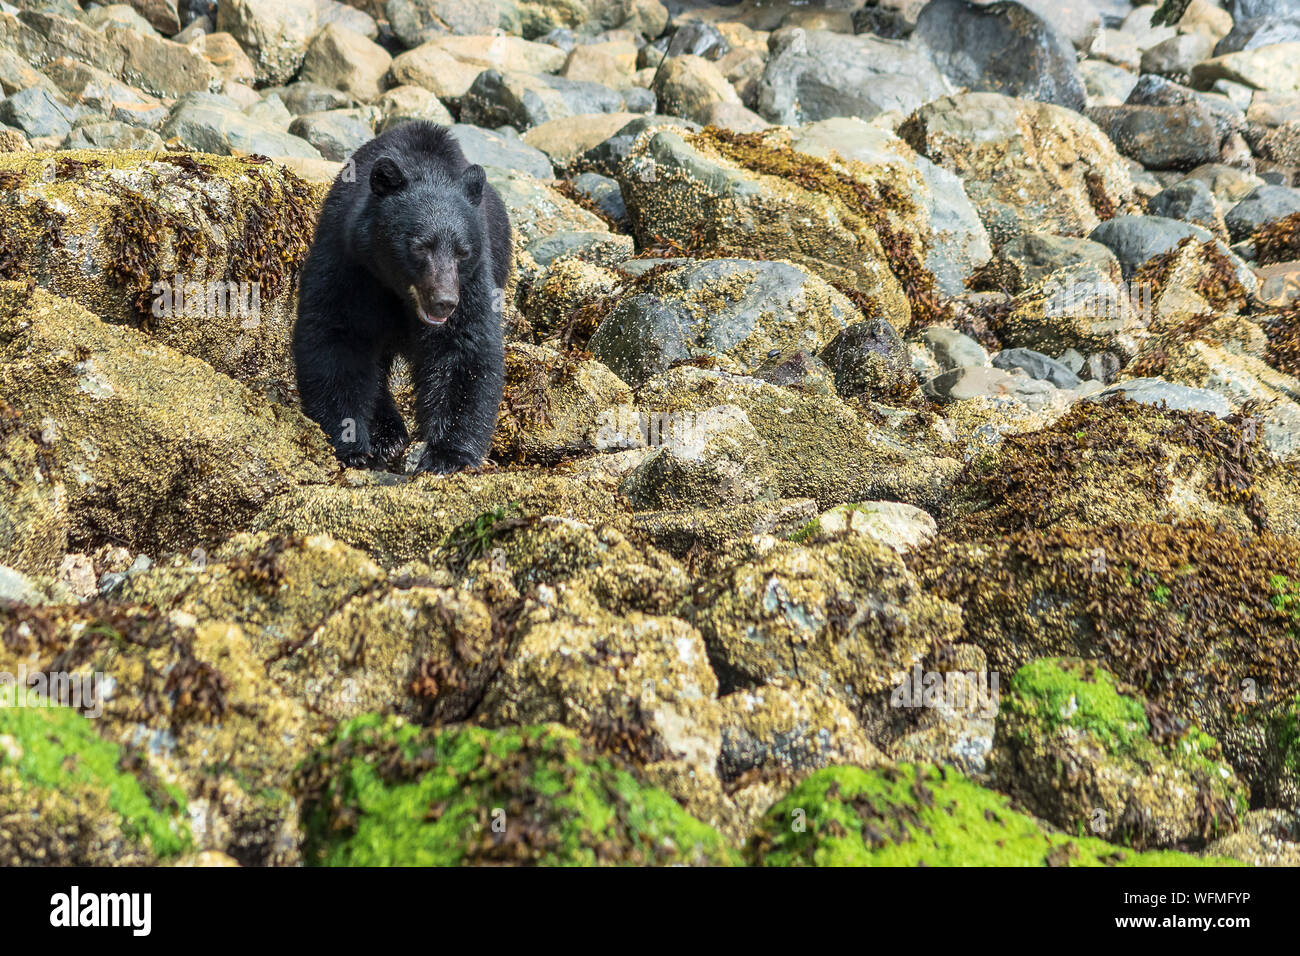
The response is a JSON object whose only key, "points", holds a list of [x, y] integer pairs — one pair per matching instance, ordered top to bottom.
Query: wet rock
{"points": [[1005, 49], [405, 104], [214, 128], [1161, 137], [724, 192], [1190, 201], [1264, 205], [237, 312], [952, 349], [870, 360], [1036, 365], [553, 405], [701, 458], [804, 614], [465, 772], [960, 820]]}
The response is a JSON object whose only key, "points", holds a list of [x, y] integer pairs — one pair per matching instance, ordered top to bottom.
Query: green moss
{"points": [[1057, 692], [57, 749], [383, 792], [922, 816]]}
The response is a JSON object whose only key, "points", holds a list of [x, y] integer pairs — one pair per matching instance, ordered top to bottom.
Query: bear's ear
{"points": [[386, 177], [474, 179]]}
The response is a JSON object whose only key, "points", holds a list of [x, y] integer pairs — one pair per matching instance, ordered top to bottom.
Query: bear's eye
{"points": [[462, 251]]}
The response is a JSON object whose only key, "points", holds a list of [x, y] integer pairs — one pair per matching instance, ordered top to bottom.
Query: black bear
{"points": [[411, 257]]}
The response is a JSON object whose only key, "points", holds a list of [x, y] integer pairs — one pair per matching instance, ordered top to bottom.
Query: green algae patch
{"points": [[1054, 693], [52, 759], [1134, 777], [386, 793], [922, 816]]}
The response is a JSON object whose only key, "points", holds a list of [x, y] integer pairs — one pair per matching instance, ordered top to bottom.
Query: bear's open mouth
{"points": [[428, 313]]}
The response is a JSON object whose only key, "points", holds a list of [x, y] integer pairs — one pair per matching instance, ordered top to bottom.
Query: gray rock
{"points": [[1257, 32], [1001, 48], [1176, 56], [815, 74], [1105, 83], [1151, 90], [302, 97], [524, 100], [38, 112], [213, 128], [110, 134], [336, 134], [1161, 137], [504, 149], [605, 157], [604, 192], [1189, 200], [1264, 205], [1137, 239], [959, 243], [591, 246], [1032, 257], [953, 349], [870, 358], [1037, 365], [961, 384], [1156, 391], [17, 587]]}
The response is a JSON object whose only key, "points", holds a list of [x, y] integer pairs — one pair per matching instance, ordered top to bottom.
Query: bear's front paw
{"points": [[388, 439], [356, 459], [444, 461]]}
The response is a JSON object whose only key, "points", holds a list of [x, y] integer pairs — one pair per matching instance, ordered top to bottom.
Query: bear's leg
{"points": [[339, 389], [459, 395], [388, 435]]}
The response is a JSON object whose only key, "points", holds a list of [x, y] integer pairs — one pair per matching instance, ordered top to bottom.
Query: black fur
{"points": [[411, 229]]}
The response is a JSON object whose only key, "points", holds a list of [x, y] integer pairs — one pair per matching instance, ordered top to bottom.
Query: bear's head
{"points": [[427, 234]]}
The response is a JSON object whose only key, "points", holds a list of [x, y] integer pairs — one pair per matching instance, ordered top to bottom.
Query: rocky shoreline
{"points": [[897, 465]]}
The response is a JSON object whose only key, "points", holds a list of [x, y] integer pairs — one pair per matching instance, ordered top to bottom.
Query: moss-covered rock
{"points": [[1027, 166], [855, 225], [114, 231], [737, 308], [553, 406], [817, 446], [157, 450], [1119, 461], [33, 500], [409, 520], [846, 615], [1198, 619], [333, 629], [637, 685], [196, 698], [1074, 750], [387, 793], [69, 797], [922, 816]]}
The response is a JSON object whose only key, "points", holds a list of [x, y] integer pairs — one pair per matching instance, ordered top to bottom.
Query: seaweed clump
{"points": [[871, 202], [1192, 615]]}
